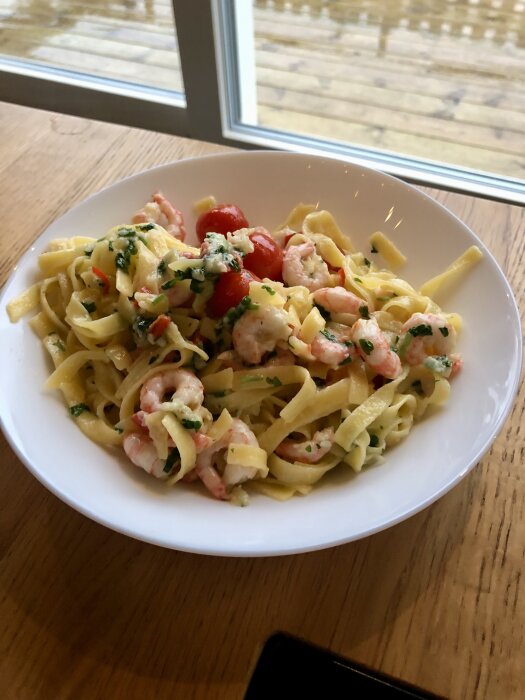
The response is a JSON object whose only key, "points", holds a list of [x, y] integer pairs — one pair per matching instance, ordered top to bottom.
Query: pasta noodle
{"points": [[203, 371]]}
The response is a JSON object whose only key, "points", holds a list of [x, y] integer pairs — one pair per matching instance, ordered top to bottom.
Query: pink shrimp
{"points": [[160, 211], [303, 266], [339, 300], [258, 332], [426, 335], [333, 345], [373, 346], [184, 386], [141, 451], [309, 451], [206, 465]]}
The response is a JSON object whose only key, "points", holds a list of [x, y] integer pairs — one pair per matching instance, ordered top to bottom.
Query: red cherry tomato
{"points": [[223, 218], [267, 257], [230, 289]]}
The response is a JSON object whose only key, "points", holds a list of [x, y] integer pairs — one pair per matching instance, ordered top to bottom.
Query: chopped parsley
{"points": [[145, 227], [126, 232], [110, 246], [373, 249], [88, 252], [367, 262], [234, 264], [162, 267], [357, 279], [196, 286], [268, 289], [158, 299], [89, 306], [363, 310], [234, 314], [141, 324], [423, 329], [444, 331], [329, 336], [59, 344], [366, 346], [152, 359], [346, 361], [439, 364], [248, 378], [274, 381], [78, 408], [191, 424], [118, 429], [374, 441], [308, 448], [173, 457]]}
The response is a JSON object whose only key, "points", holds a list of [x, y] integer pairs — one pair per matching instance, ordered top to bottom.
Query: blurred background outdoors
{"points": [[442, 80]]}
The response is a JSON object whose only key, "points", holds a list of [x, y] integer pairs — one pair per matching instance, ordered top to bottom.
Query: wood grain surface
{"points": [[88, 613]]}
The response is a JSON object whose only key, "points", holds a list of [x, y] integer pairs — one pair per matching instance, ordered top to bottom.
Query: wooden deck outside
{"points": [[442, 80]]}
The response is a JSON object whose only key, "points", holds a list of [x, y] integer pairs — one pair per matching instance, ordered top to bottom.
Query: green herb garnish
{"points": [[145, 227], [110, 246], [373, 249], [367, 262], [234, 264], [162, 267], [360, 281], [268, 289], [158, 299], [89, 306], [363, 310], [423, 329], [444, 331], [329, 336], [60, 345], [366, 346], [152, 359], [346, 361], [274, 381], [78, 408], [191, 424], [374, 441], [308, 448], [173, 457]]}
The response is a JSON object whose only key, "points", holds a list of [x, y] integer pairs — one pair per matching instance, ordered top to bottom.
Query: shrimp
{"points": [[161, 211], [303, 266], [178, 295], [339, 300], [258, 332], [426, 335], [372, 344], [333, 345], [185, 387], [141, 451], [309, 451], [207, 459]]}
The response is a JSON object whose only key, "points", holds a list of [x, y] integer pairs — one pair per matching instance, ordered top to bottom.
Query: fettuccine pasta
{"points": [[253, 362]]}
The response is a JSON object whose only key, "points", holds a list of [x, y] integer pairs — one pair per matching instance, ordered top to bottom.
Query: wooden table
{"points": [[88, 613]]}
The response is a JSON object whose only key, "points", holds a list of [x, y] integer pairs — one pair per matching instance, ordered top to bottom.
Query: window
{"points": [[431, 92]]}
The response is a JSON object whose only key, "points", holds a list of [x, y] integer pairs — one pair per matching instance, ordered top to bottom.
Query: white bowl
{"points": [[437, 454]]}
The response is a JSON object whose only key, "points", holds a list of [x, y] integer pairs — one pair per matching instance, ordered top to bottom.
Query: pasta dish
{"points": [[255, 361]]}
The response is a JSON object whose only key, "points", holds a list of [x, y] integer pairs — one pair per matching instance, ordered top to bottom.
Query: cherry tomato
{"points": [[223, 218], [267, 257], [229, 291]]}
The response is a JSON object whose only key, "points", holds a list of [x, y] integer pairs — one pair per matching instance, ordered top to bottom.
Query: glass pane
{"points": [[130, 41], [441, 80]]}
